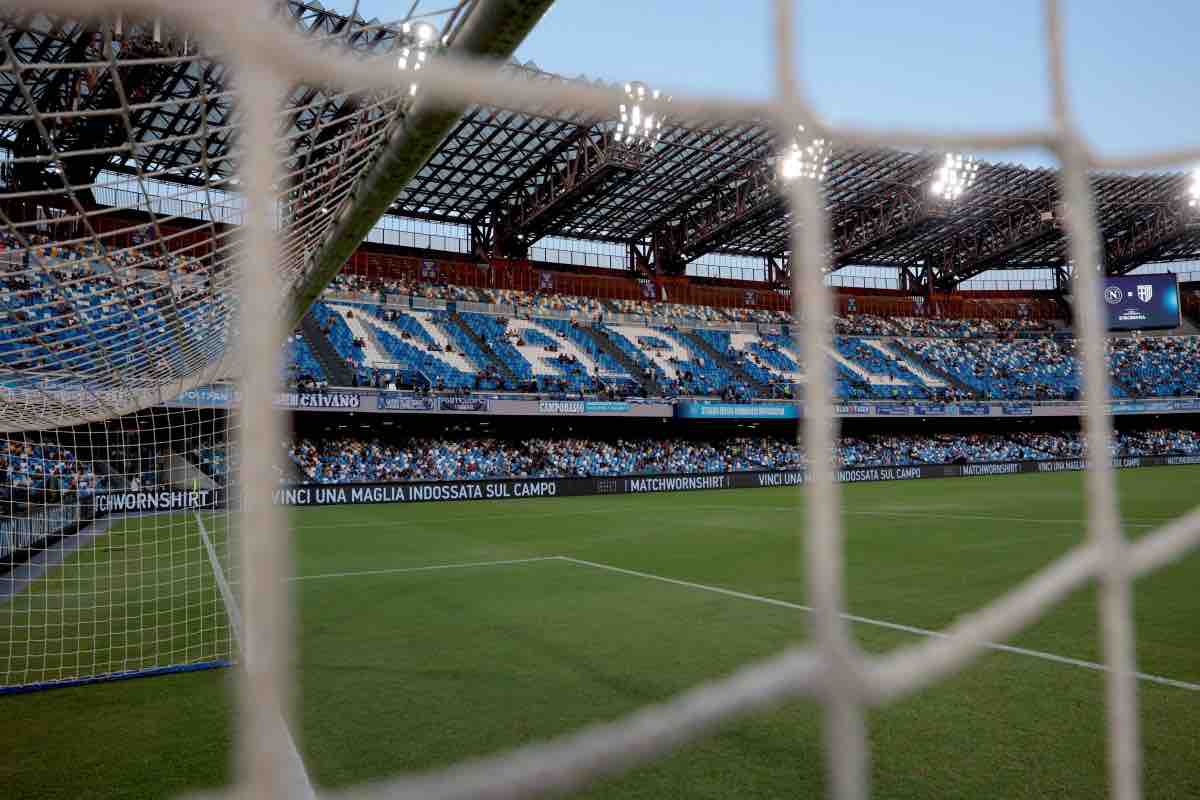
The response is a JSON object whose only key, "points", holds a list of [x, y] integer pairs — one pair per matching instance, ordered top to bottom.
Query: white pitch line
{"points": [[427, 568], [755, 598], [998, 646]]}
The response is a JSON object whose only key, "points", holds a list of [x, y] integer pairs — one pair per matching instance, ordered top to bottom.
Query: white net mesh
{"points": [[291, 209], [119, 227], [113, 548]]}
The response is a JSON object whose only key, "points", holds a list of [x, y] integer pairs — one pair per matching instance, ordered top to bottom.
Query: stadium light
{"points": [[421, 37], [639, 121], [804, 160], [956, 175], [1194, 188]]}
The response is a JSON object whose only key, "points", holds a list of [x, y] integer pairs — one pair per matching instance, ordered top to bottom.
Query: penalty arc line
{"points": [[878, 623]]}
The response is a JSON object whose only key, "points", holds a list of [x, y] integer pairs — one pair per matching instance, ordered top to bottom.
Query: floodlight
{"points": [[424, 32], [421, 37], [639, 120], [804, 158], [956, 175]]}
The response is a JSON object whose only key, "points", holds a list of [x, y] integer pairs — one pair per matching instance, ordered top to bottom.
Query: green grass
{"points": [[402, 671]]}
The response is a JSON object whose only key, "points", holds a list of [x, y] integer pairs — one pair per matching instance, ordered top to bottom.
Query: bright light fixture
{"points": [[422, 31], [421, 36], [639, 120], [804, 158], [956, 175], [1194, 189]]}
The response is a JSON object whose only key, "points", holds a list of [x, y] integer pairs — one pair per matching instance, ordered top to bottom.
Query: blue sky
{"points": [[950, 65]]}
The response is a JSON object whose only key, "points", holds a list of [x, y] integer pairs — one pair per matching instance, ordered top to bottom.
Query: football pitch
{"points": [[432, 632]]}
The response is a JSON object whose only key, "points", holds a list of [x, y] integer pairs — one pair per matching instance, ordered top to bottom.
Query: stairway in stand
{"points": [[721, 360], [336, 370], [505, 372], [646, 379]]}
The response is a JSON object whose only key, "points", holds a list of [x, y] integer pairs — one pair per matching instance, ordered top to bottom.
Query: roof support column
{"points": [[493, 30]]}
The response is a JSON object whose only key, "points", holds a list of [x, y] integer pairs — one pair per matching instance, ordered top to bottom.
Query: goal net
{"points": [[122, 220], [152, 246], [114, 549]]}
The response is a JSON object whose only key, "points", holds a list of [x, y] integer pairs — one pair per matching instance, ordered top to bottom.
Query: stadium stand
{"points": [[69, 302], [570, 343], [687, 349], [586, 350], [301, 365], [1156, 366], [1024, 369], [351, 460], [31, 472]]}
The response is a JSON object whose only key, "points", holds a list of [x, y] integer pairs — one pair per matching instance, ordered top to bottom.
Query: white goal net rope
{"points": [[119, 235], [179, 330], [115, 552]]}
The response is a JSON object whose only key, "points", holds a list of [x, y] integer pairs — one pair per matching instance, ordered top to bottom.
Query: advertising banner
{"points": [[219, 396], [340, 401], [373, 401], [390, 401], [474, 405], [559, 407], [606, 407], [930, 409], [974, 409], [1018, 409], [706, 410], [852, 410], [890, 410], [521, 488], [168, 500]]}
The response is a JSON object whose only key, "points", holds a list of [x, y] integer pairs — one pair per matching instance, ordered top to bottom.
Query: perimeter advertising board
{"points": [[523, 488]]}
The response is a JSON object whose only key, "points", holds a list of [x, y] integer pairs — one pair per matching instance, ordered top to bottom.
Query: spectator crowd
{"points": [[356, 460]]}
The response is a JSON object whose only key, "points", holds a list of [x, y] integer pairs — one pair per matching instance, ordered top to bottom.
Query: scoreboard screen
{"points": [[1141, 302]]}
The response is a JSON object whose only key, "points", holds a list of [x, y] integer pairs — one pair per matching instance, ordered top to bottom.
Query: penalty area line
{"points": [[879, 623]]}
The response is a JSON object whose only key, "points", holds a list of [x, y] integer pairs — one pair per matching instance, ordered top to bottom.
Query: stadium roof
{"points": [[166, 112], [519, 175], [880, 206]]}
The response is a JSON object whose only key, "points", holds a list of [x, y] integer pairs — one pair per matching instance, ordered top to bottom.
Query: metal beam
{"points": [[493, 30], [555, 153], [748, 196], [742, 201], [536, 204], [860, 231], [1148, 236], [993, 242], [779, 270]]}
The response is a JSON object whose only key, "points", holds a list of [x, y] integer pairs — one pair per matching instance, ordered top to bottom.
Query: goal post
{"points": [[492, 31], [121, 288]]}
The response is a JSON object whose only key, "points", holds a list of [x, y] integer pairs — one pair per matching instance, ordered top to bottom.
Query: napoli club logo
{"points": [[1145, 292], [1113, 295]]}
